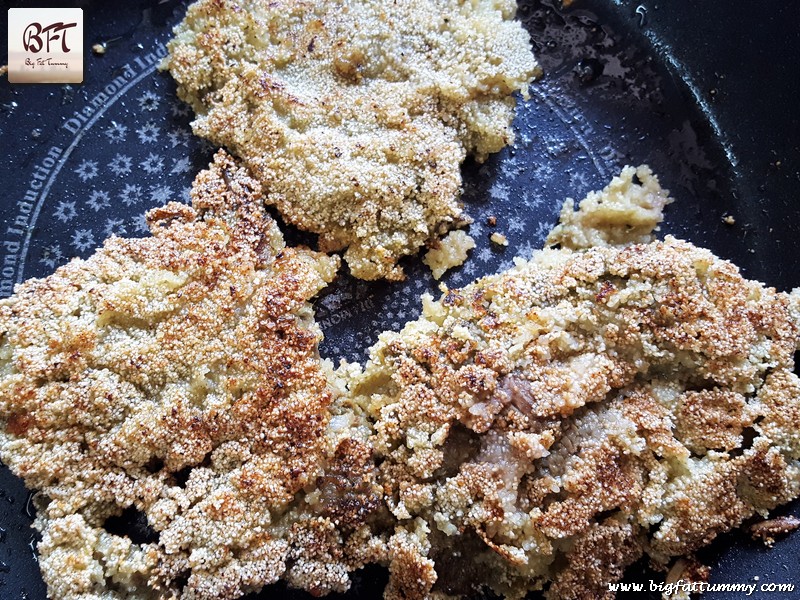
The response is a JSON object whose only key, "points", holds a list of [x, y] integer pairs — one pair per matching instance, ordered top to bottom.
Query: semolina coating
{"points": [[356, 115], [177, 378], [545, 427], [539, 429]]}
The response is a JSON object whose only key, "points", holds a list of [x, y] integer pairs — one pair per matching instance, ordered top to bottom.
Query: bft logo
{"points": [[32, 36], [45, 45]]}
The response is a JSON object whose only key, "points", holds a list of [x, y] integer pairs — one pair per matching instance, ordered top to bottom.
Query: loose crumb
{"points": [[623, 213], [499, 239], [449, 252], [768, 530]]}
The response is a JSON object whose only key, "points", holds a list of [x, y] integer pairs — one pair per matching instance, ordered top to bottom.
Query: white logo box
{"points": [[45, 45]]}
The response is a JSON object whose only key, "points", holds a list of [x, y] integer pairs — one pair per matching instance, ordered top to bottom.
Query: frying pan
{"points": [[704, 93]]}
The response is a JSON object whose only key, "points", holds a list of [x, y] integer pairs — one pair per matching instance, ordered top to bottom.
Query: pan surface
{"points": [[707, 98]]}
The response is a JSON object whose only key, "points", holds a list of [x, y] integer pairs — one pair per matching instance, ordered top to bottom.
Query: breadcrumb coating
{"points": [[356, 115], [177, 378], [545, 427], [542, 428]]}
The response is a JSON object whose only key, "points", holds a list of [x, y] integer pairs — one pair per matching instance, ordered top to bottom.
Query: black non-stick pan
{"points": [[704, 92]]}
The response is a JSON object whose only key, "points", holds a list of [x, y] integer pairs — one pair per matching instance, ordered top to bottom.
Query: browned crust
{"points": [[179, 374], [617, 402]]}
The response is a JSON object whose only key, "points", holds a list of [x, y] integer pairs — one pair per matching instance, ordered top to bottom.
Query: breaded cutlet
{"points": [[356, 115], [175, 381], [545, 427], [542, 428]]}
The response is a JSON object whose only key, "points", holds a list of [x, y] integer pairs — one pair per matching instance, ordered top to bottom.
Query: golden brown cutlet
{"points": [[356, 115], [178, 376], [545, 427], [540, 428]]}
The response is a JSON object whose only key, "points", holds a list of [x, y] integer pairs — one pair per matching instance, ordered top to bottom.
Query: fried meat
{"points": [[356, 115], [175, 380], [545, 427]]}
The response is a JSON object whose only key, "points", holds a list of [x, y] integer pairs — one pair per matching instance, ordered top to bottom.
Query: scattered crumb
{"points": [[99, 49], [3, 69], [623, 213], [728, 220], [491, 221], [499, 239], [449, 252], [768, 530], [688, 569]]}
